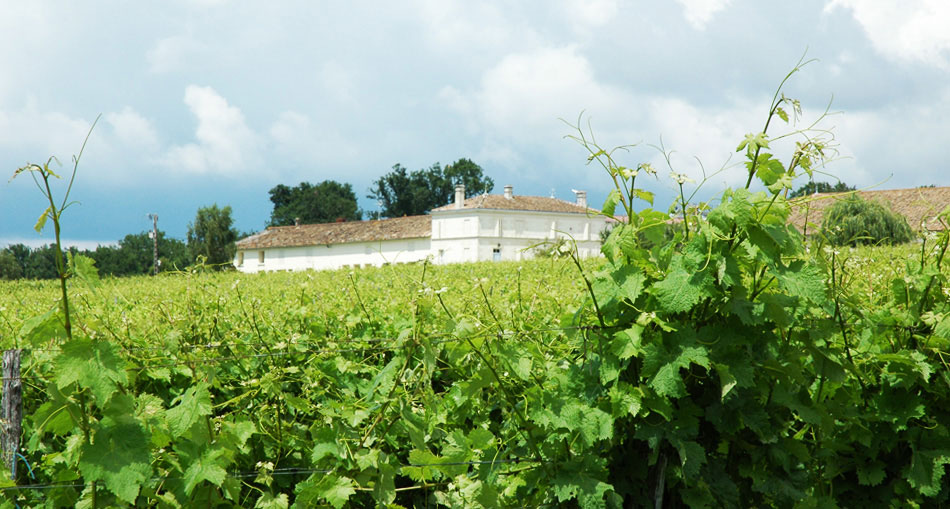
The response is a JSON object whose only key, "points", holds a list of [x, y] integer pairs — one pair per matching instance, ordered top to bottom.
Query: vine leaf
{"points": [[95, 365], [192, 405], [118, 455]]}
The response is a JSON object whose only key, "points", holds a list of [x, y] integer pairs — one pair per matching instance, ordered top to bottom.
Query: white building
{"points": [[486, 227]]}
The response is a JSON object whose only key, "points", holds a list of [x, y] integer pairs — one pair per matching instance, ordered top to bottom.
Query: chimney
{"points": [[508, 190], [459, 196], [581, 198], [296, 221]]}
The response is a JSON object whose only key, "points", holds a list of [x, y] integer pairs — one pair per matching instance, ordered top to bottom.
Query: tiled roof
{"points": [[532, 203], [919, 205], [408, 227]]}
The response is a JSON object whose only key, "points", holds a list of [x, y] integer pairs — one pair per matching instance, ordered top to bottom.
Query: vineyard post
{"points": [[154, 218], [12, 403]]}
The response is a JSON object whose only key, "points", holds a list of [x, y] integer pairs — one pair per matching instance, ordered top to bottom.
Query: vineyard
{"points": [[712, 358]]}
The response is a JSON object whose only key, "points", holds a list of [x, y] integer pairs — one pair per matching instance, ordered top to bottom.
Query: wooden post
{"points": [[12, 410]]}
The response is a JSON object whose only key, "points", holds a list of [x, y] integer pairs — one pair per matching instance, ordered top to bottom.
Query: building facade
{"points": [[485, 227]]}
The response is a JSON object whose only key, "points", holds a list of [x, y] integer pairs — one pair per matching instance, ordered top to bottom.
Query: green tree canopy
{"points": [[812, 187], [403, 193], [325, 202], [856, 221], [212, 235], [134, 255], [10, 268]]}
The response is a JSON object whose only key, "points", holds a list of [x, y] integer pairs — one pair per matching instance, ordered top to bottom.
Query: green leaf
{"points": [[782, 114], [767, 169], [646, 196], [610, 204], [41, 221], [84, 268], [804, 280], [678, 291], [41, 330], [627, 343], [93, 364], [625, 399], [194, 404], [325, 444], [119, 456], [692, 457], [207, 467], [926, 470], [871, 474], [329, 487], [272, 501]]}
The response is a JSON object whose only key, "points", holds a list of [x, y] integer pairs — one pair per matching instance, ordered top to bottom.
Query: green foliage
{"points": [[812, 187], [403, 193], [325, 202], [854, 221], [212, 235], [10, 268], [730, 365]]}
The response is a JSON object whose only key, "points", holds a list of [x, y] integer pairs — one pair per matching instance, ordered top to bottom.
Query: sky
{"points": [[205, 102]]}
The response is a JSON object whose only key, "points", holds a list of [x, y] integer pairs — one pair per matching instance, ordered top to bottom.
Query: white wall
{"points": [[472, 235], [457, 236], [334, 256]]}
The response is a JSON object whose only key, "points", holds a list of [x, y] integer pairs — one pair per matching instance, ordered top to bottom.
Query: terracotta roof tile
{"points": [[532, 203], [919, 205], [408, 227]]}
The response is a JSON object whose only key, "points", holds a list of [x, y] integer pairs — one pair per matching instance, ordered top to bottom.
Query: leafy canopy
{"points": [[812, 187], [403, 193], [325, 202], [855, 221], [212, 235]]}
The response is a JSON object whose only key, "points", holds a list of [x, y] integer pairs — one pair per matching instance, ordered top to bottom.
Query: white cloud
{"points": [[699, 13], [587, 14], [453, 24], [914, 30], [172, 53], [525, 94], [132, 129], [49, 133], [709, 134], [224, 145], [305, 147]]}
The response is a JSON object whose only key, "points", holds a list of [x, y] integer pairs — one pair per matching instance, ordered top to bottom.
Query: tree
{"points": [[466, 172], [812, 187], [401, 193], [325, 202], [854, 221], [212, 235], [134, 255], [9, 267]]}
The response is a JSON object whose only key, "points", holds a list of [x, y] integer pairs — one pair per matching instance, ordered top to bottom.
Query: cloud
{"points": [[699, 13], [584, 15], [915, 30], [172, 53], [523, 96], [132, 129], [45, 133], [224, 145], [302, 146]]}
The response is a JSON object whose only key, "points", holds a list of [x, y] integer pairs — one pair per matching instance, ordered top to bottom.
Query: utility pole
{"points": [[154, 235]]}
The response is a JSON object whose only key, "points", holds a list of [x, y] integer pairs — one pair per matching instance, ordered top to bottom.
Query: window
{"points": [[260, 257], [240, 258]]}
